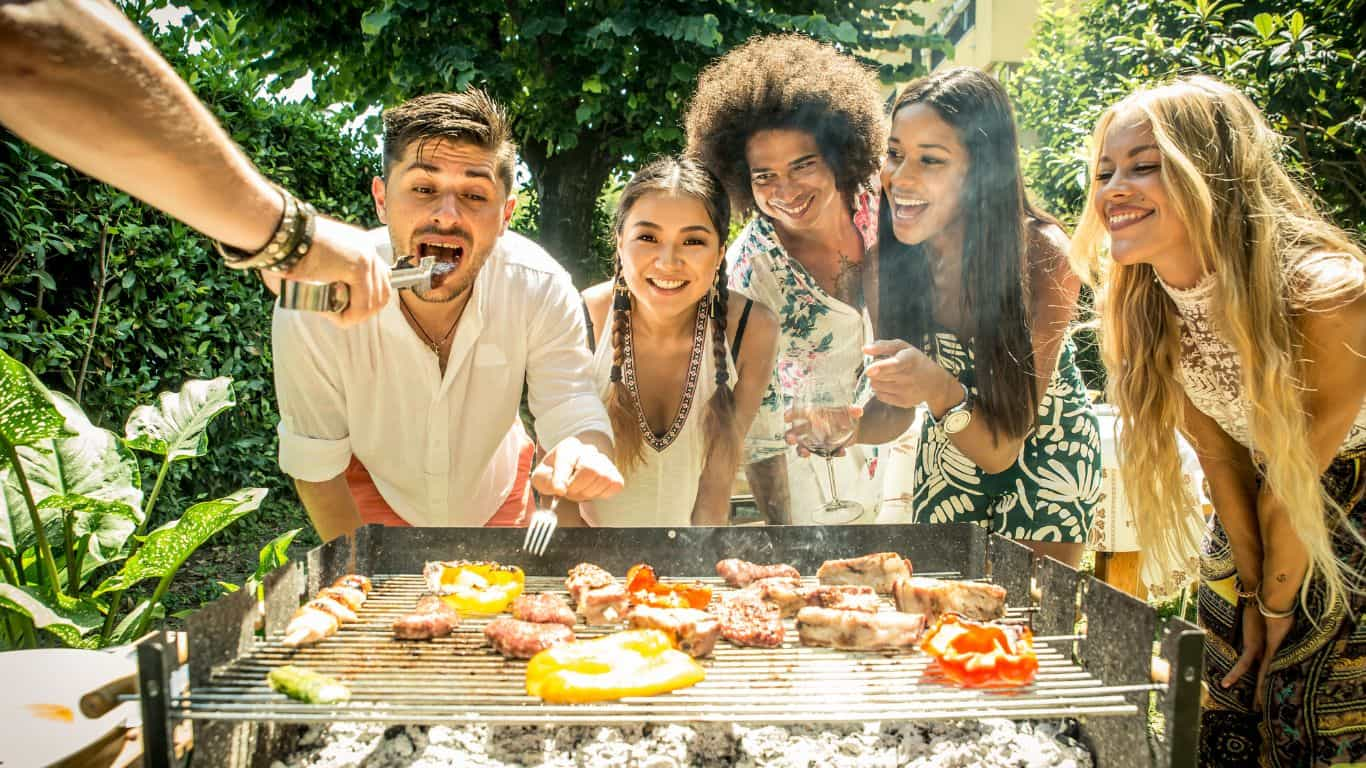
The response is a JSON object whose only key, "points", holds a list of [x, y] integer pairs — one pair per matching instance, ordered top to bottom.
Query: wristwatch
{"points": [[957, 418]]}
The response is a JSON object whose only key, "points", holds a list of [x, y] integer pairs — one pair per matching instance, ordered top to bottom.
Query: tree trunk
{"points": [[567, 189]]}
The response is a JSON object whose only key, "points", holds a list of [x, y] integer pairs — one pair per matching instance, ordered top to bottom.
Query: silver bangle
{"points": [[1270, 614]]}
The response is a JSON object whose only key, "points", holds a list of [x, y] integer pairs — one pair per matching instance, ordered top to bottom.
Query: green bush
{"points": [[1305, 68], [112, 302]]}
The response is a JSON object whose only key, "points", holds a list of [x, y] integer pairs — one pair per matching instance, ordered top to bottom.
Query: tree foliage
{"points": [[1305, 67], [594, 87], [112, 302]]}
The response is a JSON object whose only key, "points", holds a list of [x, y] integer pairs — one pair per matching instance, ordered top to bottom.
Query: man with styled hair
{"points": [[412, 416]]}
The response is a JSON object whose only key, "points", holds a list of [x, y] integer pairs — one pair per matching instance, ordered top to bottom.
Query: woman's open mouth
{"points": [[907, 209], [1117, 221], [666, 286]]}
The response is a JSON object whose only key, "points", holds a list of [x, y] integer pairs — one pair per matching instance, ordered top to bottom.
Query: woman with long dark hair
{"points": [[977, 295], [680, 362]]}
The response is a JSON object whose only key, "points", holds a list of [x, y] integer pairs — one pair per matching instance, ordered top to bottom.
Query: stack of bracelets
{"points": [[292, 239]]}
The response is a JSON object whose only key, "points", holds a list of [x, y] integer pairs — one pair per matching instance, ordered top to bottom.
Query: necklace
{"points": [[699, 338], [433, 343]]}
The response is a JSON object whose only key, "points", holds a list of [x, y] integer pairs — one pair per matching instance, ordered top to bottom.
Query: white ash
{"points": [[966, 744]]}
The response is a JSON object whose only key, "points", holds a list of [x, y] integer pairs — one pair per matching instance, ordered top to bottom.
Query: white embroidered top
{"points": [[1211, 372], [662, 489]]}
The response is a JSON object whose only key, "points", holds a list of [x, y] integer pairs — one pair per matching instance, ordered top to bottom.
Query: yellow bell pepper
{"points": [[475, 587], [638, 662]]}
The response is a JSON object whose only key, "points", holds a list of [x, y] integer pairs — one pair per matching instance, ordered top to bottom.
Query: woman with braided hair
{"points": [[680, 361]]}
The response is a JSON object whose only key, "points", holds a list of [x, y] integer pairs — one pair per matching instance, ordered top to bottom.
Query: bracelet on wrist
{"points": [[292, 238], [1243, 593], [1270, 614]]}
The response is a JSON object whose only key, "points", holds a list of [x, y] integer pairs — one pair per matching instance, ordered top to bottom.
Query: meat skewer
{"points": [[878, 571], [742, 573], [337, 608], [543, 608], [327, 611], [432, 618], [309, 625], [692, 631], [859, 631], [517, 639]]}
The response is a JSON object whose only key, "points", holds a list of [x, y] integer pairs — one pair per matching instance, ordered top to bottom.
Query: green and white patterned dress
{"points": [[1048, 494]]}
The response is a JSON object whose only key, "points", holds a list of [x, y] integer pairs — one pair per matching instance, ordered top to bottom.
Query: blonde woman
{"points": [[1233, 311]]}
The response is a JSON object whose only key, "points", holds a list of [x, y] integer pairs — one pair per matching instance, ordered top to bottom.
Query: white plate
{"points": [[40, 714]]}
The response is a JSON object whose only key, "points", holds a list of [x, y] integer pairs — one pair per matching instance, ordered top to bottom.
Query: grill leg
{"points": [[156, 659], [1182, 703]]}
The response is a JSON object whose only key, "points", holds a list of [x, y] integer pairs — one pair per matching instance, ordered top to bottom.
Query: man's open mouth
{"points": [[448, 257]]}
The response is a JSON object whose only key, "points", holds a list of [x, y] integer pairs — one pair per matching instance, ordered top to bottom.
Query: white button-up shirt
{"points": [[438, 446]]}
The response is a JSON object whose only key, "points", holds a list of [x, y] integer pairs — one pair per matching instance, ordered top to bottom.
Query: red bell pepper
{"points": [[645, 589], [978, 655]]}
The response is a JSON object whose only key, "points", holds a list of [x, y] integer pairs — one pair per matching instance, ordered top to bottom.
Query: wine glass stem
{"points": [[834, 494]]}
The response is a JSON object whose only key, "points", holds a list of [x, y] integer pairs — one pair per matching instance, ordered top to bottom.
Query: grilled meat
{"points": [[877, 571], [742, 573], [586, 576], [355, 581], [782, 592], [596, 594], [349, 596], [935, 597], [844, 598], [542, 608], [338, 609], [327, 611], [431, 618], [747, 620], [309, 625], [859, 631], [694, 632], [517, 639]]}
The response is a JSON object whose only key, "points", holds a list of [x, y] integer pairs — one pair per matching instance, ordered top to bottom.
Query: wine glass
{"points": [[825, 420]]}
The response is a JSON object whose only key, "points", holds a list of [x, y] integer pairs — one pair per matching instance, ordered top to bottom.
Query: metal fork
{"points": [[543, 522]]}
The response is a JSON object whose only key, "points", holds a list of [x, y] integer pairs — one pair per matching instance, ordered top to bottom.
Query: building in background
{"points": [[992, 35]]}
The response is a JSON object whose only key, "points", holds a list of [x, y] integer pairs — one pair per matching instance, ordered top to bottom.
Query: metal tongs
{"points": [[334, 297]]}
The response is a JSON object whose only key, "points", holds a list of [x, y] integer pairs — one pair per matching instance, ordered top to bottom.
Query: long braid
{"points": [[620, 408], [720, 427]]}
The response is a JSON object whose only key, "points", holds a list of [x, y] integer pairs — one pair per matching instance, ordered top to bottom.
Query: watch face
{"points": [[957, 421]]}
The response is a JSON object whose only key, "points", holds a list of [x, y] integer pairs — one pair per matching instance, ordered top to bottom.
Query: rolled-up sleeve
{"points": [[560, 388], [315, 443]]}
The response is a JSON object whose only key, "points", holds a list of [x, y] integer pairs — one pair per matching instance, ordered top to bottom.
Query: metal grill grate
{"points": [[460, 680]]}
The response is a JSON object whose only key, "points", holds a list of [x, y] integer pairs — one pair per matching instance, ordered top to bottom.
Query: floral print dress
{"points": [[818, 332], [1048, 494]]}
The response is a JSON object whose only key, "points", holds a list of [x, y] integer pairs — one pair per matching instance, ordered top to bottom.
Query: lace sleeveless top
{"points": [[1211, 372]]}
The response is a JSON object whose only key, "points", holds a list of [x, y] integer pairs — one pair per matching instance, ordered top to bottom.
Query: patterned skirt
{"points": [[1314, 712]]}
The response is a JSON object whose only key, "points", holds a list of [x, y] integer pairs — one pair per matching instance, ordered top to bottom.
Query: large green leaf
{"points": [[27, 414], [176, 427], [91, 468], [110, 523], [169, 546], [69, 620]]}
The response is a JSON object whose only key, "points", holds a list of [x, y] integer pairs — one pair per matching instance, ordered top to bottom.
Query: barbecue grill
{"points": [[1101, 678]]}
